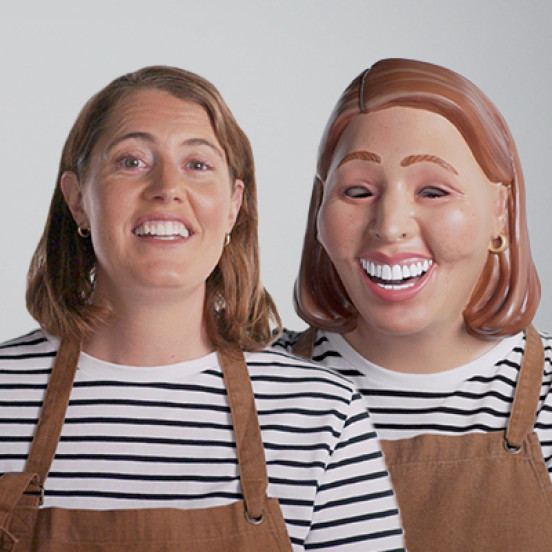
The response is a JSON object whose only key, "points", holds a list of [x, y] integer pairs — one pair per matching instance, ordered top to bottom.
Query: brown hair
{"points": [[60, 284], [507, 293]]}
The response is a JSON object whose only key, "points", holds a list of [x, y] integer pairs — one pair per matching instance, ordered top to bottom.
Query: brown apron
{"points": [[479, 491], [256, 523]]}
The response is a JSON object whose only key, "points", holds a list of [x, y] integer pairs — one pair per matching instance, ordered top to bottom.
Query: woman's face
{"points": [[157, 197], [407, 217]]}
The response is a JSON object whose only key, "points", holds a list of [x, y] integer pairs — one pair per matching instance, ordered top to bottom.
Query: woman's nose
{"points": [[166, 184], [393, 218]]}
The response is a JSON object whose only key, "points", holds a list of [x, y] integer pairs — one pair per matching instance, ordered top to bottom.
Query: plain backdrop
{"points": [[280, 66]]}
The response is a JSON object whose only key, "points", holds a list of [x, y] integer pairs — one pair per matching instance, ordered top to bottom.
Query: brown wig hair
{"points": [[60, 287], [507, 293]]}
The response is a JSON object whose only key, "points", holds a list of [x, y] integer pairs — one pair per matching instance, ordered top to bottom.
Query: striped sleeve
{"points": [[355, 509]]}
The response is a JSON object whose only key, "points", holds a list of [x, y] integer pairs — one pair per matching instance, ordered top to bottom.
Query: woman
{"points": [[417, 277], [146, 286]]}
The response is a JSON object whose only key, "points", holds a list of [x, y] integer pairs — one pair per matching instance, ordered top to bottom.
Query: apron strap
{"points": [[304, 345], [524, 409], [52, 413], [249, 445], [17, 489]]}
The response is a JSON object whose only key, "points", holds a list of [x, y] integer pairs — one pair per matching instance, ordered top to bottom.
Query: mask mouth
{"points": [[162, 230], [396, 276]]}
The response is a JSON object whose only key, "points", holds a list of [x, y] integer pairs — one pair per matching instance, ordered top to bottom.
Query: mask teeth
{"points": [[396, 272]]}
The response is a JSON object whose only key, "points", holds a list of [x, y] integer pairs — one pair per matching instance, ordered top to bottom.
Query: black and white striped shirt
{"points": [[475, 397], [162, 437]]}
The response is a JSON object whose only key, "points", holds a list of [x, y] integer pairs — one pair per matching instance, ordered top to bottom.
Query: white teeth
{"points": [[166, 229], [396, 273], [393, 275], [396, 286]]}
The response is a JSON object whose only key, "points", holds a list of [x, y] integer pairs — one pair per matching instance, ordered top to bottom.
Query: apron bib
{"points": [[479, 491], [255, 523]]}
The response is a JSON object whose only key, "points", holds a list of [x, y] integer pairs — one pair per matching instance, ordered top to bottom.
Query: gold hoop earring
{"points": [[83, 232], [227, 240], [502, 245]]}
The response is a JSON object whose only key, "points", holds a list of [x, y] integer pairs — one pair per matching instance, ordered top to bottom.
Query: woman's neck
{"points": [[151, 332], [418, 354]]}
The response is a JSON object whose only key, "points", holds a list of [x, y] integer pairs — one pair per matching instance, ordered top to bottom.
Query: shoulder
{"points": [[546, 338], [286, 340], [34, 344], [519, 352], [25, 361], [279, 365]]}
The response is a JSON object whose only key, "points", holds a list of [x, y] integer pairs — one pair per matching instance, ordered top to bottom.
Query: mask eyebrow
{"points": [[362, 155], [411, 159]]}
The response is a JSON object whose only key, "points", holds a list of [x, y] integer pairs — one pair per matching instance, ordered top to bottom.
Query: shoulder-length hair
{"points": [[60, 285], [507, 293]]}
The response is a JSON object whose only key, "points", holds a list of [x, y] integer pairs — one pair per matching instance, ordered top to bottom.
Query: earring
{"points": [[83, 232], [227, 240], [503, 244], [220, 303]]}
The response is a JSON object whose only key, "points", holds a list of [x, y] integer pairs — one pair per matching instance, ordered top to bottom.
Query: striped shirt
{"points": [[475, 397], [162, 437]]}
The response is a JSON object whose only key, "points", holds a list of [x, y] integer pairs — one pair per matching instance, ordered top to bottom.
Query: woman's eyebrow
{"points": [[147, 137], [204, 142], [362, 155], [426, 157]]}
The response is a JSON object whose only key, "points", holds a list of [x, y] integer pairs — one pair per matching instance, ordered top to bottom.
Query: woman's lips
{"points": [[162, 229]]}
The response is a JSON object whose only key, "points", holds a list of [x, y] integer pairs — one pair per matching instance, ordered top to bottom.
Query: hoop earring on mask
{"points": [[83, 232], [227, 240], [502, 245]]}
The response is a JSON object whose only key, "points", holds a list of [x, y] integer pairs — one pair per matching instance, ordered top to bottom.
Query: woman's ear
{"points": [[72, 193], [235, 203]]}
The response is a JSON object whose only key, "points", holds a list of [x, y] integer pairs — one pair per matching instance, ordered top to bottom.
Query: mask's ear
{"points": [[72, 192], [500, 210]]}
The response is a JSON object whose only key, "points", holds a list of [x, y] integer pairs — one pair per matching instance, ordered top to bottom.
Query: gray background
{"points": [[280, 66]]}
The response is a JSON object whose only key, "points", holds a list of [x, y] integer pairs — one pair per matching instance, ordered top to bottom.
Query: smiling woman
{"points": [[157, 168], [417, 280], [144, 414]]}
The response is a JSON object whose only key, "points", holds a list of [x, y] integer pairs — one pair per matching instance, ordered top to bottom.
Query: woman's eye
{"points": [[131, 163], [197, 165], [357, 191], [432, 192]]}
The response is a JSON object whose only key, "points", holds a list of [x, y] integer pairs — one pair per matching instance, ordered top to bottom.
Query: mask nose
{"points": [[393, 218]]}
